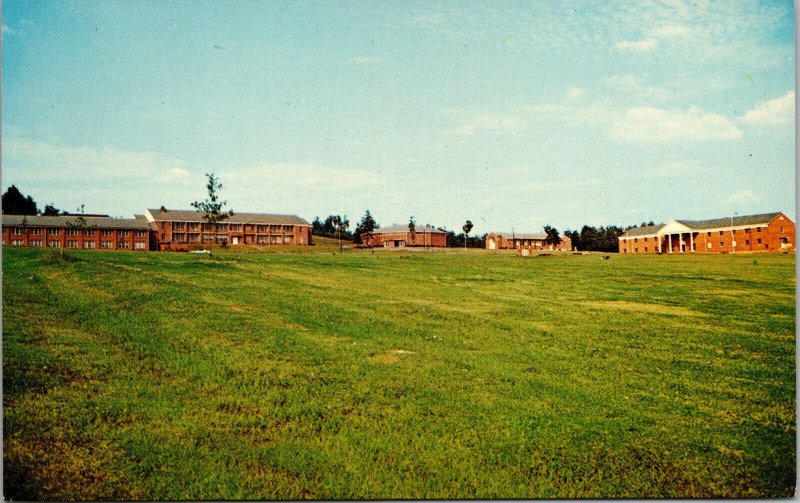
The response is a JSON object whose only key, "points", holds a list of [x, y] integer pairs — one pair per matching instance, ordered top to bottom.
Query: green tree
{"points": [[14, 203], [212, 207], [51, 211], [467, 227], [366, 228], [412, 230], [552, 235]]}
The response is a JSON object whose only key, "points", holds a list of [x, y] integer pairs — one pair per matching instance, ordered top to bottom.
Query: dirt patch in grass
{"points": [[641, 307], [392, 356]]}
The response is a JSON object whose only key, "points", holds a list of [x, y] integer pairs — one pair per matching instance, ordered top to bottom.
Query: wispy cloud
{"points": [[670, 30], [637, 45], [366, 60], [631, 85], [576, 92], [777, 111], [492, 123], [653, 124], [29, 159], [173, 174], [301, 175], [744, 197]]}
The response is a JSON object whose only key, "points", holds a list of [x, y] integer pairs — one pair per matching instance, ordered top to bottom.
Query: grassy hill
{"points": [[397, 375]]}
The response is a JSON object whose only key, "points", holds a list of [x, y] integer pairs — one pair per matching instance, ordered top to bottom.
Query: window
{"points": [[178, 226], [193, 226], [235, 227], [262, 228], [781, 228], [758, 229], [16, 230], [747, 230], [37, 231], [73, 231], [54, 232], [88, 232], [107, 232], [708, 233], [720, 233], [124, 234], [141, 234], [635, 240], [645, 240], [746, 241], [758, 241], [17, 242], [36, 242], [54, 244], [72, 244], [89, 244], [107, 244], [721, 244], [124, 245], [140, 246], [709, 246], [645, 248], [636, 250]]}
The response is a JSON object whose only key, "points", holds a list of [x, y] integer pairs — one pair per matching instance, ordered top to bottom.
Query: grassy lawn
{"points": [[397, 375]]}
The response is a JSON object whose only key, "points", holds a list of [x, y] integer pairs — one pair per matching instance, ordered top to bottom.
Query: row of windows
{"points": [[195, 226], [54, 231], [123, 245]]}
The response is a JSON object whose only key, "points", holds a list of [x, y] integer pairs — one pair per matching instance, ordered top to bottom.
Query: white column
{"points": [[669, 240], [691, 242]]}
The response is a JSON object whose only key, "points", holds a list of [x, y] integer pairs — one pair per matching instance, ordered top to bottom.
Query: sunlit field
{"points": [[396, 374]]}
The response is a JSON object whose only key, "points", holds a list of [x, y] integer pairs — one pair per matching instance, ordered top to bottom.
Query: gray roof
{"points": [[236, 218], [763, 218], [66, 221], [715, 223], [399, 229], [647, 230], [521, 235]]}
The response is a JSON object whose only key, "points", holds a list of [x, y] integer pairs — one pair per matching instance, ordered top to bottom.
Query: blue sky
{"points": [[510, 114]]}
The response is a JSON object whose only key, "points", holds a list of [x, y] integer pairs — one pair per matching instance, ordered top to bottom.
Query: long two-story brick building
{"points": [[178, 229], [77, 231], [768, 232]]}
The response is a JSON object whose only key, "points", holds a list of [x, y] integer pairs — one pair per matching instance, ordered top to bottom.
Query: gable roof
{"points": [[236, 218], [763, 218], [72, 221], [715, 223], [400, 229], [519, 235]]}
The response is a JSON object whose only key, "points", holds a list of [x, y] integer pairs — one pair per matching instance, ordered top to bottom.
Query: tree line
{"points": [[14, 203]]}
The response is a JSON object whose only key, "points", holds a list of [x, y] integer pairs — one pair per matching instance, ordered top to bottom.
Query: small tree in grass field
{"points": [[212, 207], [467, 228]]}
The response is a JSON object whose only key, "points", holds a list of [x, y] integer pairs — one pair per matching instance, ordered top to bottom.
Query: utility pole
{"points": [[733, 235]]}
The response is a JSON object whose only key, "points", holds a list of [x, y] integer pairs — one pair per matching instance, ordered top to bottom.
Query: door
{"points": [[235, 240], [492, 244]]}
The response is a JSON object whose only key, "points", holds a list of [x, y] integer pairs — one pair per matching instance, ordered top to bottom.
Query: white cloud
{"points": [[670, 30], [638, 45], [367, 60], [631, 85], [576, 92], [777, 111], [490, 123], [653, 124], [36, 160], [172, 175], [306, 175], [743, 197]]}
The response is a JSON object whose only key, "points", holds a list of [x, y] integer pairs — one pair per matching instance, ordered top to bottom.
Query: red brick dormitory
{"points": [[160, 229], [177, 229], [87, 232], [769, 232], [398, 236], [495, 241]]}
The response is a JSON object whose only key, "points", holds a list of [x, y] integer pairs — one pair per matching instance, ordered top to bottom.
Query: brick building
{"points": [[178, 229], [78, 231], [769, 232], [397, 236], [532, 242]]}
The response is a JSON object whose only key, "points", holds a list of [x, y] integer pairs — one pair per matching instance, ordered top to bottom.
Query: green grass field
{"points": [[397, 375]]}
